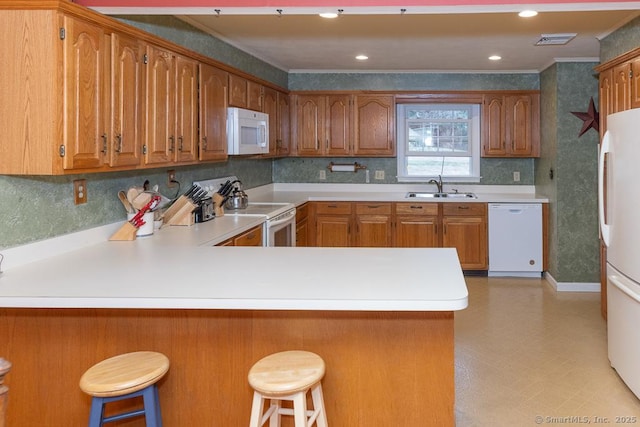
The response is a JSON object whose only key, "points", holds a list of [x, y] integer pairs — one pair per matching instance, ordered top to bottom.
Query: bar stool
{"points": [[288, 376], [123, 377]]}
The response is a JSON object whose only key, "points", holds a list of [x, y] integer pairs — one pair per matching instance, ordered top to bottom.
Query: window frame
{"points": [[475, 141]]}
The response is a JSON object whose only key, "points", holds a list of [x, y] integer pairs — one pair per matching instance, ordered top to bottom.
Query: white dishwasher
{"points": [[515, 239]]}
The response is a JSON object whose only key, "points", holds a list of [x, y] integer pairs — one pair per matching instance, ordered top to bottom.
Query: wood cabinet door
{"points": [[635, 83], [621, 87], [85, 89], [238, 94], [254, 96], [606, 98], [127, 100], [270, 106], [160, 107], [213, 113], [374, 121], [309, 124], [338, 125], [519, 125], [493, 129], [186, 131], [283, 141], [302, 229], [333, 230], [373, 231], [416, 232], [468, 235], [252, 237]]}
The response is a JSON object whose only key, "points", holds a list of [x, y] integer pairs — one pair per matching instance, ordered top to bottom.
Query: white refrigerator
{"points": [[619, 216]]}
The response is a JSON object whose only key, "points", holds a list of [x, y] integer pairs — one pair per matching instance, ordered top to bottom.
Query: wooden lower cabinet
{"points": [[332, 224], [302, 225], [373, 225], [405, 225], [416, 225], [465, 228], [251, 237]]}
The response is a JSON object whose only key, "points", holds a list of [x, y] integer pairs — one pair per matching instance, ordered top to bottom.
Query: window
{"points": [[438, 139]]}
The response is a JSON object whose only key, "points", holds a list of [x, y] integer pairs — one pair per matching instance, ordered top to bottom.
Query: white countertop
{"points": [[178, 267], [145, 274]]}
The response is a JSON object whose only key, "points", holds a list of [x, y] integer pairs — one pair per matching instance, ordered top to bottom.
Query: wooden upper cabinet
{"points": [[622, 87], [85, 88], [244, 93], [606, 98], [127, 100], [276, 105], [160, 106], [270, 106], [213, 113], [374, 122], [310, 124], [338, 125], [511, 125], [284, 129], [185, 144]]}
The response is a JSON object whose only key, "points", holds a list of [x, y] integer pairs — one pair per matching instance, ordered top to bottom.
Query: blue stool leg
{"points": [[152, 406], [97, 408]]}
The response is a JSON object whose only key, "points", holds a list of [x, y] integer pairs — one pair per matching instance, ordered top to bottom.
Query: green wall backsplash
{"points": [[413, 81], [307, 170], [34, 208]]}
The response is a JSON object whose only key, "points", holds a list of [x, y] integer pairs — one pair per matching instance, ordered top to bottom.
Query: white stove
{"points": [[280, 225]]}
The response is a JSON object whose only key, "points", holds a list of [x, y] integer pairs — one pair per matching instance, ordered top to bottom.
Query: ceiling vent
{"points": [[555, 39]]}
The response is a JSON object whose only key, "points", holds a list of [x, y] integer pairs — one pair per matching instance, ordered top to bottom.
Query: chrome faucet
{"points": [[438, 183]]}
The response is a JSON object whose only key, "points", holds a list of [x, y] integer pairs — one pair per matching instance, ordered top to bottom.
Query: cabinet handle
{"points": [[180, 139], [172, 142], [204, 142], [104, 143], [118, 143], [332, 206], [373, 206], [415, 207], [463, 207], [436, 228]]}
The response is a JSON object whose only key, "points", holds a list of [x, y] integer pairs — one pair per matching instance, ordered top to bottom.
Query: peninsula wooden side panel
{"points": [[383, 368]]}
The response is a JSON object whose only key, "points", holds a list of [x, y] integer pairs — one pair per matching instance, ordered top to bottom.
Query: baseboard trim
{"points": [[571, 286]]}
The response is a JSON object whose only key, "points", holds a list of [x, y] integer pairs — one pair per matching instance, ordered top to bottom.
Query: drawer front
{"points": [[333, 208], [373, 208], [430, 209], [476, 209], [252, 237]]}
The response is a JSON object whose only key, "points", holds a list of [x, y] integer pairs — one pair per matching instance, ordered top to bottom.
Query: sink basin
{"points": [[426, 195]]}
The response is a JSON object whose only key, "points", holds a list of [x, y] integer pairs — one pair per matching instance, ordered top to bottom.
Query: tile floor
{"points": [[524, 350]]}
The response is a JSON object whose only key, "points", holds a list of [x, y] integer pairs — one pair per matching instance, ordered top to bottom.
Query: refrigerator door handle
{"points": [[604, 227], [614, 279]]}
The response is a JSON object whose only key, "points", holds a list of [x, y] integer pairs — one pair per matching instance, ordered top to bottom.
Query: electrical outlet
{"points": [[323, 174], [379, 175], [516, 176], [171, 178], [80, 191]]}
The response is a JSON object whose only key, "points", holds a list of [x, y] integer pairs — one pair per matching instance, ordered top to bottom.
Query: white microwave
{"points": [[247, 131]]}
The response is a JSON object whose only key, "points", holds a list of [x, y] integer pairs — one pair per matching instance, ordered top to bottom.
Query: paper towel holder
{"points": [[345, 167]]}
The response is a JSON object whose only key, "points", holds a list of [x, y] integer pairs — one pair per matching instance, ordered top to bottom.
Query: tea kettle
{"points": [[238, 198]]}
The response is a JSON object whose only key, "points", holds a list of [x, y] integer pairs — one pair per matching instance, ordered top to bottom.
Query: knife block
{"points": [[218, 200], [179, 213], [126, 232]]}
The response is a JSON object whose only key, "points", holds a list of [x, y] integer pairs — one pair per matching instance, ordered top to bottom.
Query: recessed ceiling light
{"points": [[527, 13], [329, 15], [362, 57], [495, 57]]}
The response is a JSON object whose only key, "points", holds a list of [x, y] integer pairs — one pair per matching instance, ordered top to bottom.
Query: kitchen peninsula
{"points": [[382, 319]]}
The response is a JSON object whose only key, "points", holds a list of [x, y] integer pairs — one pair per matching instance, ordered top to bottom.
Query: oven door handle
{"points": [[284, 220]]}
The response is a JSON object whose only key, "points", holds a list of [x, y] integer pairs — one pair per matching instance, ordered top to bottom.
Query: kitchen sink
{"points": [[452, 195]]}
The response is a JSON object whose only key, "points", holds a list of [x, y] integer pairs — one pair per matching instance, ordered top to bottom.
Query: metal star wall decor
{"points": [[591, 119]]}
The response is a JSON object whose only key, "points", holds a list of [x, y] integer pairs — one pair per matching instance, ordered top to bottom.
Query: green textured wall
{"points": [[621, 41], [574, 247]]}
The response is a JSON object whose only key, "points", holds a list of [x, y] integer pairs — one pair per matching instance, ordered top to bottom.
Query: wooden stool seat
{"points": [[288, 375], [123, 377]]}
